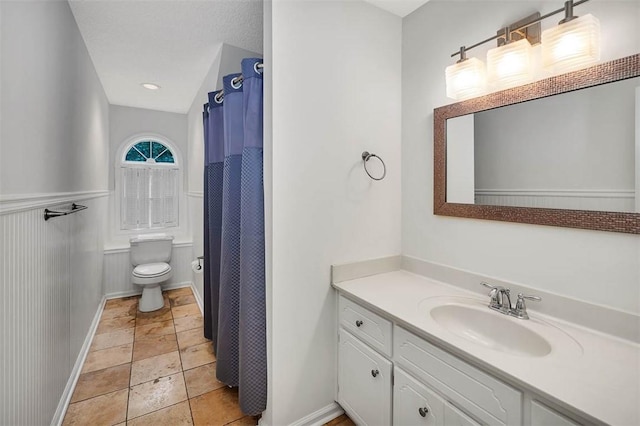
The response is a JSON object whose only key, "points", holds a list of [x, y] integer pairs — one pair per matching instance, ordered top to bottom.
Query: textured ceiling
{"points": [[398, 7], [168, 42]]}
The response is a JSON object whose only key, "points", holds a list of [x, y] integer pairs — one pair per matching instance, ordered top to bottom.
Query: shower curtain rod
{"points": [[236, 82]]}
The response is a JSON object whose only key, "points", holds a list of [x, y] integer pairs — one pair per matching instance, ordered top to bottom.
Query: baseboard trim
{"points": [[129, 293], [198, 299], [58, 417], [320, 417]]}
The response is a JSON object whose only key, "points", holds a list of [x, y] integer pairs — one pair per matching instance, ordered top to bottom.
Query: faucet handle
{"points": [[486, 284], [494, 294], [528, 297], [520, 311]]}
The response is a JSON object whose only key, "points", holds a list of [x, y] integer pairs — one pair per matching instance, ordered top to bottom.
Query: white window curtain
{"points": [[149, 197]]}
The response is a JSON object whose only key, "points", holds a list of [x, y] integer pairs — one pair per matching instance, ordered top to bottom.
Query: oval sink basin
{"points": [[491, 329]]}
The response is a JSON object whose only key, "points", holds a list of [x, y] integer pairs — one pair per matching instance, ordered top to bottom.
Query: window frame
{"points": [[120, 162]]}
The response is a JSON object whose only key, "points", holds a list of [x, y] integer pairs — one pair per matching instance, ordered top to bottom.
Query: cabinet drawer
{"points": [[370, 327], [364, 382], [479, 394], [414, 404]]}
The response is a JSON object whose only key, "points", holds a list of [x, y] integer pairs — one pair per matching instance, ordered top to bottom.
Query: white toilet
{"points": [[151, 254]]}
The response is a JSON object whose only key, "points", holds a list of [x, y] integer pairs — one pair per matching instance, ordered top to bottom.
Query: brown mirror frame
{"points": [[608, 72]]}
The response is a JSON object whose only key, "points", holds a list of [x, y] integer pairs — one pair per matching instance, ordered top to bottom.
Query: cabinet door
{"points": [[364, 382], [414, 404], [542, 415], [455, 417]]}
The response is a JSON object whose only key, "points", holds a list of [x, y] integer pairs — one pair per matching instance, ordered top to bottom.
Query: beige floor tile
{"points": [[178, 292], [180, 300], [123, 301], [191, 310], [120, 311], [160, 315], [188, 323], [113, 324], [155, 329], [191, 338], [109, 340], [148, 346], [195, 356], [106, 358], [155, 367], [201, 380], [101, 382], [157, 394], [218, 407], [106, 409], [176, 415], [245, 421]]}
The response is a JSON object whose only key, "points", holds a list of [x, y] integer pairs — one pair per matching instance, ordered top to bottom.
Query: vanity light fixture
{"points": [[573, 44], [510, 65], [467, 78], [150, 86]]}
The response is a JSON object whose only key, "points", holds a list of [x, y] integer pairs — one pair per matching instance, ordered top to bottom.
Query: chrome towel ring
{"points": [[365, 157]]}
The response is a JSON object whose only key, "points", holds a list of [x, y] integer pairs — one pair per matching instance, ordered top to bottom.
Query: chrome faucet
{"points": [[501, 301]]}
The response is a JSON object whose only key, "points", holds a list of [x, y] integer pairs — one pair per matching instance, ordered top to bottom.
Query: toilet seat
{"points": [[150, 270]]}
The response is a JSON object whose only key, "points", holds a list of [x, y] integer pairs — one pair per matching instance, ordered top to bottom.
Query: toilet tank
{"points": [[150, 249]]}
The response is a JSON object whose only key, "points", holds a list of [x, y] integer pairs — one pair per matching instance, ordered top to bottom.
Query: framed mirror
{"points": [[563, 151]]}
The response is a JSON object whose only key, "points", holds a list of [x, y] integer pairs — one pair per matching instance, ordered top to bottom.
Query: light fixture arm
{"points": [[567, 9], [568, 12], [463, 54]]}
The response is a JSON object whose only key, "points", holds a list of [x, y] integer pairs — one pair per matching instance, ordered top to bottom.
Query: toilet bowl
{"points": [[150, 256]]}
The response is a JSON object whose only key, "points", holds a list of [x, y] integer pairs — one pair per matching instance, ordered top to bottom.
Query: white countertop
{"points": [[602, 381]]}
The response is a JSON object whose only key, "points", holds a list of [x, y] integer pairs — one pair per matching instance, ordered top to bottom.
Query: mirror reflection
{"points": [[578, 150]]}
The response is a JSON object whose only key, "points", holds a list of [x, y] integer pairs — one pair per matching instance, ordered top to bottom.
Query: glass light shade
{"points": [[572, 45], [510, 65], [466, 79]]}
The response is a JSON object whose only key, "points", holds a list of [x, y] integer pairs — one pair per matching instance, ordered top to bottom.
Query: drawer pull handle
{"points": [[358, 323], [375, 373], [423, 411]]}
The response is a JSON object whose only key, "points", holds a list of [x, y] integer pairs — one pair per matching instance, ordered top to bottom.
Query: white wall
{"points": [[227, 61], [334, 74], [54, 133], [54, 149], [598, 267]]}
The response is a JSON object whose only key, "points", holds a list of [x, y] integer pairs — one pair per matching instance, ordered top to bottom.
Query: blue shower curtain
{"points": [[234, 291]]}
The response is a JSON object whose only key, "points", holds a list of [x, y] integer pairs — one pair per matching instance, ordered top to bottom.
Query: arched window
{"points": [[149, 189]]}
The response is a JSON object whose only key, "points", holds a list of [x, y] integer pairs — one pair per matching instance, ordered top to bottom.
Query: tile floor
{"points": [[154, 368]]}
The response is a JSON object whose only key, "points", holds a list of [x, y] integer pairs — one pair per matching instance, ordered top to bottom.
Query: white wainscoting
{"points": [[603, 200], [117, 270], [50, 284]]}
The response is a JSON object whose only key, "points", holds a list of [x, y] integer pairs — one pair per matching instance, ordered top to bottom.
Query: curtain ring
{"points": [[256, 67], [236, 83], [219, 97], [365, 157]]}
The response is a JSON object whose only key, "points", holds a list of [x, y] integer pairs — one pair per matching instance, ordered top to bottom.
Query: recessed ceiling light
{"points": [[150, 86]]}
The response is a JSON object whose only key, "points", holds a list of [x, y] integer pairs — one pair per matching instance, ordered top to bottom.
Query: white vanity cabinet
{"points": [[390, 376]]}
